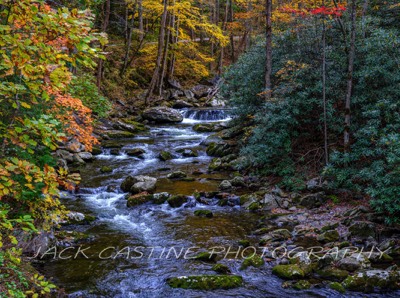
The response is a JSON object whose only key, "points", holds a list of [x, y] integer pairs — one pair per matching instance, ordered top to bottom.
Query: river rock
{"points": [[200, 91], [181, 104], [162, 115], [204, 127], [211, 139], [74, 146], [135, 152], [188, 152], [65, 155], [165, 155], [86, 156], [177, 175], [238, 182], [137, 184], [225, 185], [160, 198], [138, 199], [312, 200], [177, 201], [204, 213], [362, 229], [329, 236], [254, 261], [354, 262], [221, 268], [292, 271], [332, 273], [368, 280], [206, 282]]}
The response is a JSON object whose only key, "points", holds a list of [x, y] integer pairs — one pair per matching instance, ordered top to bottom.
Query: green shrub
{"points": [[85, 89]]}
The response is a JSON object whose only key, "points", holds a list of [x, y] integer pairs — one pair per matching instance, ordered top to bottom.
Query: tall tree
{"points": [[161, 37], [268, 49], [350, 70]]}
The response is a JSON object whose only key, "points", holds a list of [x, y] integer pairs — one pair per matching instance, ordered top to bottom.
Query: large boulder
{"points": [[200, 91], [162, 115], [137, 184]]}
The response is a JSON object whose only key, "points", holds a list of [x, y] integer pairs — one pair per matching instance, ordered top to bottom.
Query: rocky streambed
{"points": [[161, 211]]}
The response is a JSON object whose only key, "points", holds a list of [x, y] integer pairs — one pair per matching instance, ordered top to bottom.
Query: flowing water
{"points": [[144, 235]]}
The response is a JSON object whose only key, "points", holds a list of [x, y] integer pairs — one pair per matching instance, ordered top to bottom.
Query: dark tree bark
{"points": [[106, 20], [161, 37], [268, 49], [350, 70]]}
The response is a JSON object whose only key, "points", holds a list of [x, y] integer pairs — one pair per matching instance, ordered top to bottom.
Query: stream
{"points": [[150, 228]]}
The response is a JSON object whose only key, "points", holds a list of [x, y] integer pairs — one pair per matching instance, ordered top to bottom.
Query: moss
{"points": [[139, 127], [118, 134], [96, 150], [165, 155], [106, 169], [177, 175], [188, 179], [160, 198], [138, 199], [177, 201], [254, 206], [204, 213], [329, 236], [244, 243], [206, 257], [254, 261], [221, 268], [288, 271], [333, 274], [206, 282], [354, 283], [302, 285], [337, 287]]}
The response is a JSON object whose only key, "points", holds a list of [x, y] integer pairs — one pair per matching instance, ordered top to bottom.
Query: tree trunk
{"points": [[106, 20], [161, 37], [128, 43], [268, 46], [164, 59], [350, 77], [324, 87]]}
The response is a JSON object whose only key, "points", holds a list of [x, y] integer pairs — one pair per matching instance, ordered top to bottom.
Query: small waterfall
{"points": [[206, 114]]}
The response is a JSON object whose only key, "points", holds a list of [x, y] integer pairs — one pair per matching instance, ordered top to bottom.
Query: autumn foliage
{"points": [[39, 48]]}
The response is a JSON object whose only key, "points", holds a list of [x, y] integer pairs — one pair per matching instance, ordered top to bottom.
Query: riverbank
{"points": [[190, 202]]}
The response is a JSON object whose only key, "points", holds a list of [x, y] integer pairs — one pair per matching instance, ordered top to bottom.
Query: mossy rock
{"points": [[139, 127], [204, 127], [118, 134], [111, 144], [96, 150], [137, 152], [165, 155], [215, 164], [106, 169], [177, 175], [188, 179], [160, 198], [138, 199], [177, 201], [254, 206], [204, 213], [329, 227], [329, 236], [244, 243], [206, 256], [254, 261], [221, 268], [292, 271], [334, 274], [206, 282], [355, 283], [302, 285], [337, 287]]}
